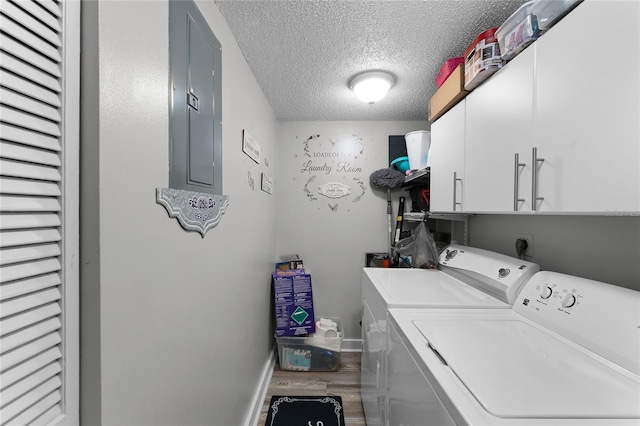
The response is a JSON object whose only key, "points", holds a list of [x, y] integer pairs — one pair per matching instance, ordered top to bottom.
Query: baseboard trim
{"points": [[261, 392]]}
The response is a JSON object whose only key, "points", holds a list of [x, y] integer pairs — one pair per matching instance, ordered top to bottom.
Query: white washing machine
{"points": [[467, 277], [567, 353]]}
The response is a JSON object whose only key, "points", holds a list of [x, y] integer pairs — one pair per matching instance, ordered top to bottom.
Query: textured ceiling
{"points": [[304, 53]]}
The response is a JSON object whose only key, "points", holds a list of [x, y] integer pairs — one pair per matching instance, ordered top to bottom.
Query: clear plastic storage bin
{"points": [[528, 23], [311, 353]]}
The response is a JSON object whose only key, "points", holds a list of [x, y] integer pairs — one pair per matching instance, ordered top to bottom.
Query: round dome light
{"points": [[372, 86]]}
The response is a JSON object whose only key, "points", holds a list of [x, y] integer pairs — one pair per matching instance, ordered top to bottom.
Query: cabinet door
{"points": [[587, 109], [499, 120], [446, 157]]}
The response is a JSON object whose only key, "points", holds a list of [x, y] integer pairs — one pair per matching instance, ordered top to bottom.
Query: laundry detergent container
{"points": [[418, 144]]}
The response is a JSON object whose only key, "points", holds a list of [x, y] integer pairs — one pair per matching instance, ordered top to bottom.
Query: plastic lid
{"points": [[488, 34], [399, 159]]}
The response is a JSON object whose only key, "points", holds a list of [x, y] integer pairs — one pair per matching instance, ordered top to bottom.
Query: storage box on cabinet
{"points": [[530, 21], [482, 59], [447, 68], [449, 94]]}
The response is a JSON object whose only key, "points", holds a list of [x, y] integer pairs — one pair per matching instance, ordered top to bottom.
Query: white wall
{"points": [[333, 243], [602, 248], [176, 328]]}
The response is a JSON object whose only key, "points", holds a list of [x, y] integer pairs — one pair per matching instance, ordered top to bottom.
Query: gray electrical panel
{"points": [[195, 57]]}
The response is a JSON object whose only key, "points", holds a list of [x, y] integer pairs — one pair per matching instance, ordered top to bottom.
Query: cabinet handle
{"points": [[534, 174], [455, 181], [516, 181]]}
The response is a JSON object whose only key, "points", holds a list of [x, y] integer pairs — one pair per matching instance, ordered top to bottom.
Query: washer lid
{"points": [[427, 288], [517, 370]]}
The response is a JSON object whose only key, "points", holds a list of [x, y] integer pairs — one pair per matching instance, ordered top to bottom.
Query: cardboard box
{"points": [[447, 68], [449, 94], [289, 261], [289, 265], [293, 303]]}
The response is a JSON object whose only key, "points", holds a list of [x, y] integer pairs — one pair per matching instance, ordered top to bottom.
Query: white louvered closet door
{"points": [[39, 77]]}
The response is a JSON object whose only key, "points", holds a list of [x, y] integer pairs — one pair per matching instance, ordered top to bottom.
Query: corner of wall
{"points": [[90, 364]]}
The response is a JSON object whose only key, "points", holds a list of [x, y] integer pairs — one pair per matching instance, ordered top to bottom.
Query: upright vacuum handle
{"points": [[399, 220]]}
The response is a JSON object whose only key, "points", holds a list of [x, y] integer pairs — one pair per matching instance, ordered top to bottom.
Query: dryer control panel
{"points": [[496, 274], [601, 317]]}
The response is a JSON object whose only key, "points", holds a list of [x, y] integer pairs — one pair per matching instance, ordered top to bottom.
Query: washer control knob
{"points": [[451, 254], [546, 292], [568, 300]]}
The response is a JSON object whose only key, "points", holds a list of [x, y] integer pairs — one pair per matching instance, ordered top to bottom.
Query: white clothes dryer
{"points": [[467, 278], [566, 353]]}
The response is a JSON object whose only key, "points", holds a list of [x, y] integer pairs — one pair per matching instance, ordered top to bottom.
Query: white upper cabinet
{"points": [[568, 107], [587, 110], [499, 125], [446, 160]]}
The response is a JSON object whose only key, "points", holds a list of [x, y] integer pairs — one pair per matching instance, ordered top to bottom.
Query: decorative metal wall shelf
{"points": [[195, 211]]}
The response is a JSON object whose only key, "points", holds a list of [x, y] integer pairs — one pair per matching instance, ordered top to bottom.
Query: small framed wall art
{"points": [[250, 147], [267, 183]]}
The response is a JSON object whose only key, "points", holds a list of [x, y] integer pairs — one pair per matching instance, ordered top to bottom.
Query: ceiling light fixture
{"points": [[371, 86]]}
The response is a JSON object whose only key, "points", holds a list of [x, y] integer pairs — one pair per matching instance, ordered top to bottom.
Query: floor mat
{"points": [[305, 411]]}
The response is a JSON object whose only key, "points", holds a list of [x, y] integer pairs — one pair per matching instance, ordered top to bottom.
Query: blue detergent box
{"points": [[293, 303]]}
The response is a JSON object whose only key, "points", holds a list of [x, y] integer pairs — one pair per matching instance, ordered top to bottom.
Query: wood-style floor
{"points": [[344, 383]]}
